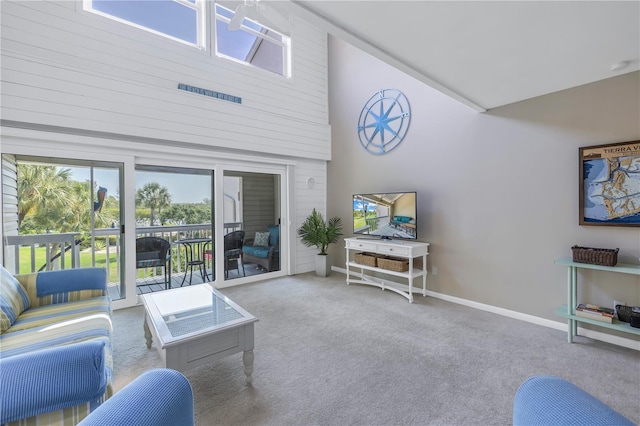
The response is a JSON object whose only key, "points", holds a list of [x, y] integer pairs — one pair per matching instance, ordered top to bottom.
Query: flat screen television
{"points": [[391, 215]]}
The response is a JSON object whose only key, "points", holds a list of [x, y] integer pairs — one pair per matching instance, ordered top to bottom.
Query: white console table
{"points": [[364, 274]]}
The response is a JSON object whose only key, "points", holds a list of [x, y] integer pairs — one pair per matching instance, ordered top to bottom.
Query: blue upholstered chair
{"points": [[266, 255], [52, 379], [157, 397], [550, 401]]}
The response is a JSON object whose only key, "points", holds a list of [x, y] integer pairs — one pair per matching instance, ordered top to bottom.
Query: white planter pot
{"points": [[323, 265]]}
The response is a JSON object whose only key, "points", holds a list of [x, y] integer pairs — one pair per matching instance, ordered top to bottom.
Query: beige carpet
{"points": [[331, 354]]}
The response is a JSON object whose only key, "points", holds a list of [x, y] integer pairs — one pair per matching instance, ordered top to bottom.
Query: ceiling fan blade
{"points": [[238, 17], [280, 23]]}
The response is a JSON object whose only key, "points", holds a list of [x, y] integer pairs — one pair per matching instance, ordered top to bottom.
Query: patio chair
{"points": [[233, 242], [154, 252], [268, 257]]}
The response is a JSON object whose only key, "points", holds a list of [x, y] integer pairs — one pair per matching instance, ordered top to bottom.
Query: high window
{"points": [[181, 20], [252, 43]]}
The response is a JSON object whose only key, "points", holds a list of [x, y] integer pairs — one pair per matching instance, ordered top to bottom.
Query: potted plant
{"points": [[316, 232]]}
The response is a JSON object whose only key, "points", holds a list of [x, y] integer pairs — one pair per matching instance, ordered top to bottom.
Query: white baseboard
{"points": [[556, 325]]}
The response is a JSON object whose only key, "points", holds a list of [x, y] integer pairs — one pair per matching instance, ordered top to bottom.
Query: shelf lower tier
{"points": [[416, 272], [401, 289], [616, 325]]}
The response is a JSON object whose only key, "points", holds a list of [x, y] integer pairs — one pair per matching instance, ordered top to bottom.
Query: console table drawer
{"points": [[363, 246], [399, 251]]}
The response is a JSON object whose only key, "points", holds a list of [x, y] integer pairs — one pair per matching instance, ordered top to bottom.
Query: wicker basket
{"points": [[595, 256], [365, 258], [393, 264], [626, 312]]}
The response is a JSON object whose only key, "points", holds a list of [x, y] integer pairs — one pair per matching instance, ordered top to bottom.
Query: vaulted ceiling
{"points": [[488, 53]]}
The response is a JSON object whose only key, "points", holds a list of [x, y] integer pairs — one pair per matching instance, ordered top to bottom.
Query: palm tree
{"points": [[41, 187], [154, 197]]}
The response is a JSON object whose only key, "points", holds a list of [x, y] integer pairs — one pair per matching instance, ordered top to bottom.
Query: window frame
{"points": [[201, 20], [284, 43]]}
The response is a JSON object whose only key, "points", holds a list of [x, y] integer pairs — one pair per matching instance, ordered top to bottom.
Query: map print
{"points": [[611, 184]]}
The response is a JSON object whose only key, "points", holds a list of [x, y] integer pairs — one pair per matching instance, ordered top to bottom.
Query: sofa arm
{"points": [[64, 285], [51, 379], [157, 397], [549, 401]]}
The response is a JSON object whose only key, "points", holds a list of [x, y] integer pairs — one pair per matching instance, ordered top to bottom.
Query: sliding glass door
{"points": [[173, 207], [63, 213], [252, 213]]}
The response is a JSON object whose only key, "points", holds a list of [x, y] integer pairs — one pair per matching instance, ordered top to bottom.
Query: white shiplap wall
{"points": [[67, 67], [306, 199], [9, 204]]}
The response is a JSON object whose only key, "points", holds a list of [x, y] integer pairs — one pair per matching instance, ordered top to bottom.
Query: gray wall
{"points": [[497, 191]]}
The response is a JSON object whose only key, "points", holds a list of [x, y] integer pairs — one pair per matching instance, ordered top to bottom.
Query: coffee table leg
{"points": [[147, 333], [247, 358]]}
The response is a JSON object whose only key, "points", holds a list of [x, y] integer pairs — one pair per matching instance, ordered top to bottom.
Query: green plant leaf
{"points": [[316, 232]]}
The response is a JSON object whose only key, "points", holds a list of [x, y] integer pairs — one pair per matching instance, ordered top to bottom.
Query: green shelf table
{"points": [[569, 311]]}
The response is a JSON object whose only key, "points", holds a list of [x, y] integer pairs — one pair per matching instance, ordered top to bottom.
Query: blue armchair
{"points": [[267, 256], [55, 345], [52, 379], [157, 397], [551, 401]]}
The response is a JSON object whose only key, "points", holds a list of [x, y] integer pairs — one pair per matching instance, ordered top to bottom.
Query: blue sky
{"points": [[169, 17], [183, 188]]}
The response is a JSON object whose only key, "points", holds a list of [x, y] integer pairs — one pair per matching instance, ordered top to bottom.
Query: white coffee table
{"points": [[197, 325]]}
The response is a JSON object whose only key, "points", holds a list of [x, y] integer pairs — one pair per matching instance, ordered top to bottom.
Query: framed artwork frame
{"points": [[610, 184]]}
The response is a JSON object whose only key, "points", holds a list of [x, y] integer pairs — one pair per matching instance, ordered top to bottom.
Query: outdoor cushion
{"points": [[402, 219], [274, 235], [261, 239], [256, 251], [149, 259], [149, 263], [13, 299]]}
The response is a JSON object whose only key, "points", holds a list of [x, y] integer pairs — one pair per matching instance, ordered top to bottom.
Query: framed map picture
{"points": [[610, 184]]}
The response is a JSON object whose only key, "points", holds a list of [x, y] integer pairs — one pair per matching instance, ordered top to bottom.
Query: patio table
{"points": [[194, 253]]}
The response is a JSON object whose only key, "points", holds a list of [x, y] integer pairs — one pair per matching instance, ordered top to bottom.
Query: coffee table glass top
{"points": [[183, 312]]}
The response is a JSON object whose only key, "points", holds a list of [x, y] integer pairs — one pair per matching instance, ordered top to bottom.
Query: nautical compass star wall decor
{"points": [[384, 121]]}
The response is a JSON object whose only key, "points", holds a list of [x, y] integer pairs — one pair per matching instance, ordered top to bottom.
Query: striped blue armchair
{"points": [[55, 346]]}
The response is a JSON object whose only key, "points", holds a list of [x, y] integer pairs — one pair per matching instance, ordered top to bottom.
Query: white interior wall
{"points": [[63, 66], [76, 82], [30, 142], [310, 188], [497, 191]]}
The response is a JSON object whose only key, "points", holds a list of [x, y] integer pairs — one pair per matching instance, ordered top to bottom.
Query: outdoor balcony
{"points": [[40, 252]]}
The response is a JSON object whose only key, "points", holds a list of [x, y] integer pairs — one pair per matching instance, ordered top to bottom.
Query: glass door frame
{"points": [[43, 143], [41, 148], [219, 167], [284, 175]]}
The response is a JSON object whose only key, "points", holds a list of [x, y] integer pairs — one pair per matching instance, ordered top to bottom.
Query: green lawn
{"points": [[359, 222], [85, 260]]}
